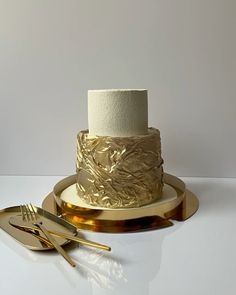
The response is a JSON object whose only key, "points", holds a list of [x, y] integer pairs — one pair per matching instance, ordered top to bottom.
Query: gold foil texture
{"points": [[119, 172]]}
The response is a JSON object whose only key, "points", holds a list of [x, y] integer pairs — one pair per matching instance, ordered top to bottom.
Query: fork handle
{"points": [[59, 249]]}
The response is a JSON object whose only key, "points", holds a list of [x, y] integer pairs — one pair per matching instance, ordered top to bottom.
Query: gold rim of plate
{"points": [[153, 216]]}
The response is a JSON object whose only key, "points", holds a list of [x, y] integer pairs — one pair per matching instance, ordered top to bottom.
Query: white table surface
{"points": [[197, 256]]}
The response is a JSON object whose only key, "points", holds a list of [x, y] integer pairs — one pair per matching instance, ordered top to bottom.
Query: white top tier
{"points": [[117, 112]]}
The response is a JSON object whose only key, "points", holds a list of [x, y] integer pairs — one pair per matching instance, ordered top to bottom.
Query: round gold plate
{"points": [[154, 216]]}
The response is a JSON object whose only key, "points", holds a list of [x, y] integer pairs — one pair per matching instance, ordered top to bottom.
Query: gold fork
{"points": [[30, 215]]}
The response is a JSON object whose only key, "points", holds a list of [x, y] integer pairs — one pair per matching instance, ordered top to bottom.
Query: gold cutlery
{"points": [[31, 217], [17, 222], [34, 240]]}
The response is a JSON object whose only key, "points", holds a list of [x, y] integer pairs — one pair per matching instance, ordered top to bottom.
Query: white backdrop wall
{"points": [[182, 51]]}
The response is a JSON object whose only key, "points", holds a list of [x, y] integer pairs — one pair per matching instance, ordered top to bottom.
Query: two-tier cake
{"points": [[119, 163], [120, 185]]}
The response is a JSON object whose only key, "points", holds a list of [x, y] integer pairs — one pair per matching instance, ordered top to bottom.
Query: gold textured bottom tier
{"points": [[119, 172], [177, 203]]}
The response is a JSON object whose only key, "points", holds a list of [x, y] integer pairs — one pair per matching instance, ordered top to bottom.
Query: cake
{"points": [[119, 163]]}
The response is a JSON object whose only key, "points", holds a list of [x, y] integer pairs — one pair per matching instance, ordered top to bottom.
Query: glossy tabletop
{"points": [[197, 256]]}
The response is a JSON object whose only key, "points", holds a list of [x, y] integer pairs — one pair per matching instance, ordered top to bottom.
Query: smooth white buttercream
{"points": [[117, 112]]}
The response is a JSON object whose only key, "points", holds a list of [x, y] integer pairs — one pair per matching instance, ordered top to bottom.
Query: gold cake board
{"points": [[178, 204]]}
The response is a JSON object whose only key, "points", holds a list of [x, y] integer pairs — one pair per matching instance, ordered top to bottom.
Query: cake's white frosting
{"points": [[117, 112]]}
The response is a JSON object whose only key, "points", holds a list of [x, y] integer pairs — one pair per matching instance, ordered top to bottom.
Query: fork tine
{"points": [[33, 210], [26, 214], [31, 215]]}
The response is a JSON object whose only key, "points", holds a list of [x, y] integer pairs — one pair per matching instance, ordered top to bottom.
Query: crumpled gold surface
{"points": [[119, 172]]}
